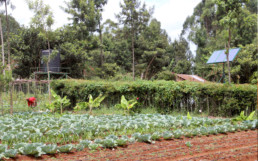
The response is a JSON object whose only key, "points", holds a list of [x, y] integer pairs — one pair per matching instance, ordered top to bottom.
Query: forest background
{"points": [[135, 45]]}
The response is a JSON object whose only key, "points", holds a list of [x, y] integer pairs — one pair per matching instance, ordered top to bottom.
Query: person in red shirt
{"points": [[32, 102]]}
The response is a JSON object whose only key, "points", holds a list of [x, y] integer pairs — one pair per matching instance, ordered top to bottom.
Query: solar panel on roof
{"points": [[219, 56]]}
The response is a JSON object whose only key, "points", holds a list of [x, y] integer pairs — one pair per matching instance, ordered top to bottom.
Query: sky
{"points": [[171, 13]]}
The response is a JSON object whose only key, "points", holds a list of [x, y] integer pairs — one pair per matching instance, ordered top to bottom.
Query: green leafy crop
{"points": [[59, 103], [91, 104], [126, 105], [243, 117], [65, 148]]}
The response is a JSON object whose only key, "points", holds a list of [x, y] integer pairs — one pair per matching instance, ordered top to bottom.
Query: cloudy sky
{"points": [[171, 13]]}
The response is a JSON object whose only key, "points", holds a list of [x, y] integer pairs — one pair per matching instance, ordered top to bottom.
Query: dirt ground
{"points": [[227, 147]]}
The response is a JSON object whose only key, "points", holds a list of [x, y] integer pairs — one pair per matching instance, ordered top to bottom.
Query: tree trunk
{"points": [[229, 39], [2, 42], [8, 43], [101, 46], [133, 53], [9, 57], [146, 73], [48, 74], [11, 97], [1, 101], [90, 110]]}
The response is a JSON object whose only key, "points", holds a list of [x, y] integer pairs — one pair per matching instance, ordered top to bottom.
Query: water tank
{"points": [[54, 64]]}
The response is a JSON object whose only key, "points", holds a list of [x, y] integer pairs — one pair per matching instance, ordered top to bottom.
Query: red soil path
{"points": [[227, 147]]}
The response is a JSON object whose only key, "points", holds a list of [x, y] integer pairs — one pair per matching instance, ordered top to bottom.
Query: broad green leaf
{"points": [[90, 99], [189, 117], [250, 117], [3, 148], [49, 149], [10, 153]]}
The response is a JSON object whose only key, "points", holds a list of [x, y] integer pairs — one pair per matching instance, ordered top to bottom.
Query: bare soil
{"points": [[241, 146]]}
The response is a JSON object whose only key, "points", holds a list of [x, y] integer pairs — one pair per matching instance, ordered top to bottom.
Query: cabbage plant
{"points": [[177, 134], [167, 135], [156, 136], [145, 138], [121, 142], [109, 143], [83, 144], [93, 146], [3, 148], [65, 148], [34, 149], [49, 149], [10, 153], [1, 156]]}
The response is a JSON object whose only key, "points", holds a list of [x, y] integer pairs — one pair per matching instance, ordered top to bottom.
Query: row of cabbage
{"points": [[71, 128], [31, 134], [112, 141]]}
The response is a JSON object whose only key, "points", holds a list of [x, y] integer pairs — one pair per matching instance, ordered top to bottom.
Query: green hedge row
{"points": [[216, 99]]}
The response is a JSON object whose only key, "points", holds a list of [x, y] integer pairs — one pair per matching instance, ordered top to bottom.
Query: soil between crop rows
{"points": [[232, 146]]}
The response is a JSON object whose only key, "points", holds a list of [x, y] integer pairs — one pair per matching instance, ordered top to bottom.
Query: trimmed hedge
{"points": [[216, 99]]}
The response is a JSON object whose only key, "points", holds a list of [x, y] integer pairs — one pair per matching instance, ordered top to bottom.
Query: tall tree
{"points": [[7, 2], [99, 9], [232, 9], [88, 16], [83, 17], [135, 18], [43, 20], [4, 27], [206, 30], [2, 43], [153, 43], [181, 57]]}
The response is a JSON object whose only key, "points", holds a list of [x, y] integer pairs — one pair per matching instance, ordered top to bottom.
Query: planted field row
{"points": [[37, 134], [231, 146]]}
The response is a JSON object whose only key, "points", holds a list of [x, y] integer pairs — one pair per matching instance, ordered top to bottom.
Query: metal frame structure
{"points": [[219, 56], [63, 71]]}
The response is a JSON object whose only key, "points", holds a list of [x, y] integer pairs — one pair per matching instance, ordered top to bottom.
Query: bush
{"points": [[213, 98]]}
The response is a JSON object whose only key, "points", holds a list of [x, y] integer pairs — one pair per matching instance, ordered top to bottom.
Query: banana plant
{"points": [[58, 102], [91, 104], [126, 105], [189, 117], [243, 117]]}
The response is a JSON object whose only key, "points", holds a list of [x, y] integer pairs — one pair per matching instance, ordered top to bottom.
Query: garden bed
{"points": [[231, 146]]}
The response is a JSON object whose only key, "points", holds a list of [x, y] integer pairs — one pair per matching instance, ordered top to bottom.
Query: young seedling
{"points": [[188, 144]]}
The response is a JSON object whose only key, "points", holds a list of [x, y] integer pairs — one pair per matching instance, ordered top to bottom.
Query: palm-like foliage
{"points": [[58, 102], [91, 104], [126, 105]]}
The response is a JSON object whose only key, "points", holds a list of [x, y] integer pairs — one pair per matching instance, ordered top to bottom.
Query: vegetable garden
{"points": [[69, 130], [36, 134]]}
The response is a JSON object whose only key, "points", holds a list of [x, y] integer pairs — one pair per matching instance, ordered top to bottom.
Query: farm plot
{"points": [[37, 134], [227, 147]]}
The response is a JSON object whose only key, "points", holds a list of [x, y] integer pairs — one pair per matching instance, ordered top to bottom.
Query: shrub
{"points": [[213, 98]]}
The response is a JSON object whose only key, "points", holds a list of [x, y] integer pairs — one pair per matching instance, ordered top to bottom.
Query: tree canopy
{"points": [[135, 45]]}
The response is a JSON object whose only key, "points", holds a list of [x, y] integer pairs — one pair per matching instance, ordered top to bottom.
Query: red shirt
{"points": [[31, 101]]}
